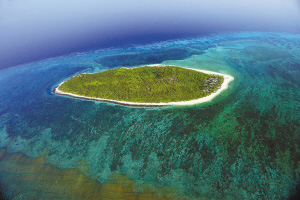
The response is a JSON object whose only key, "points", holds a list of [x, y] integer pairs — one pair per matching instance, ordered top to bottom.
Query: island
{"points": [[151, 85]]}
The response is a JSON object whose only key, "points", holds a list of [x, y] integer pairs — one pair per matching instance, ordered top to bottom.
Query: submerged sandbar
{"points": [[151, 85]]}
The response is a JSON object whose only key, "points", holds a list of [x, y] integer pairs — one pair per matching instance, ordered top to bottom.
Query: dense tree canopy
{"points": [[144, 84]]}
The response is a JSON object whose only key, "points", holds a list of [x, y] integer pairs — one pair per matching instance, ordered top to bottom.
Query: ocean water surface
{"points": [[245, 144]]}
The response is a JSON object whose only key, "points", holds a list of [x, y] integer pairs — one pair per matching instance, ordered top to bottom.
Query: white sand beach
{"points": [[224, 86]]}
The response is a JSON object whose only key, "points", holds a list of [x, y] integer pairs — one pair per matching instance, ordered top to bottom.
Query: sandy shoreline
{"points": [[224, 86]]}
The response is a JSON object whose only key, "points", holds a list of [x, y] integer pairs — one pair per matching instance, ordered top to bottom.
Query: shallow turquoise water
{"points": [[243, 144]]}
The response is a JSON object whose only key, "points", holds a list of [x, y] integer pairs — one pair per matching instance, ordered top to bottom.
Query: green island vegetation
{"points": [[146, 84]]}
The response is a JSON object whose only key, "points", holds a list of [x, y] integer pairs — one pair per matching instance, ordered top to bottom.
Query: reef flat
{"points": [[244, 144]]}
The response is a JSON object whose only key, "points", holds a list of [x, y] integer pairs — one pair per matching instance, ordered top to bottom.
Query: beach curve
{"points": [[224, 86]]}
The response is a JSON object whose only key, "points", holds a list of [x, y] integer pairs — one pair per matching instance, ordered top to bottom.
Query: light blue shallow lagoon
{"points": [[245, 144]]}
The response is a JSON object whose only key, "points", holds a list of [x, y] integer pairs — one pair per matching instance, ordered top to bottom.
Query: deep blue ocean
{"points": [[36, 30], [244, 144]]}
